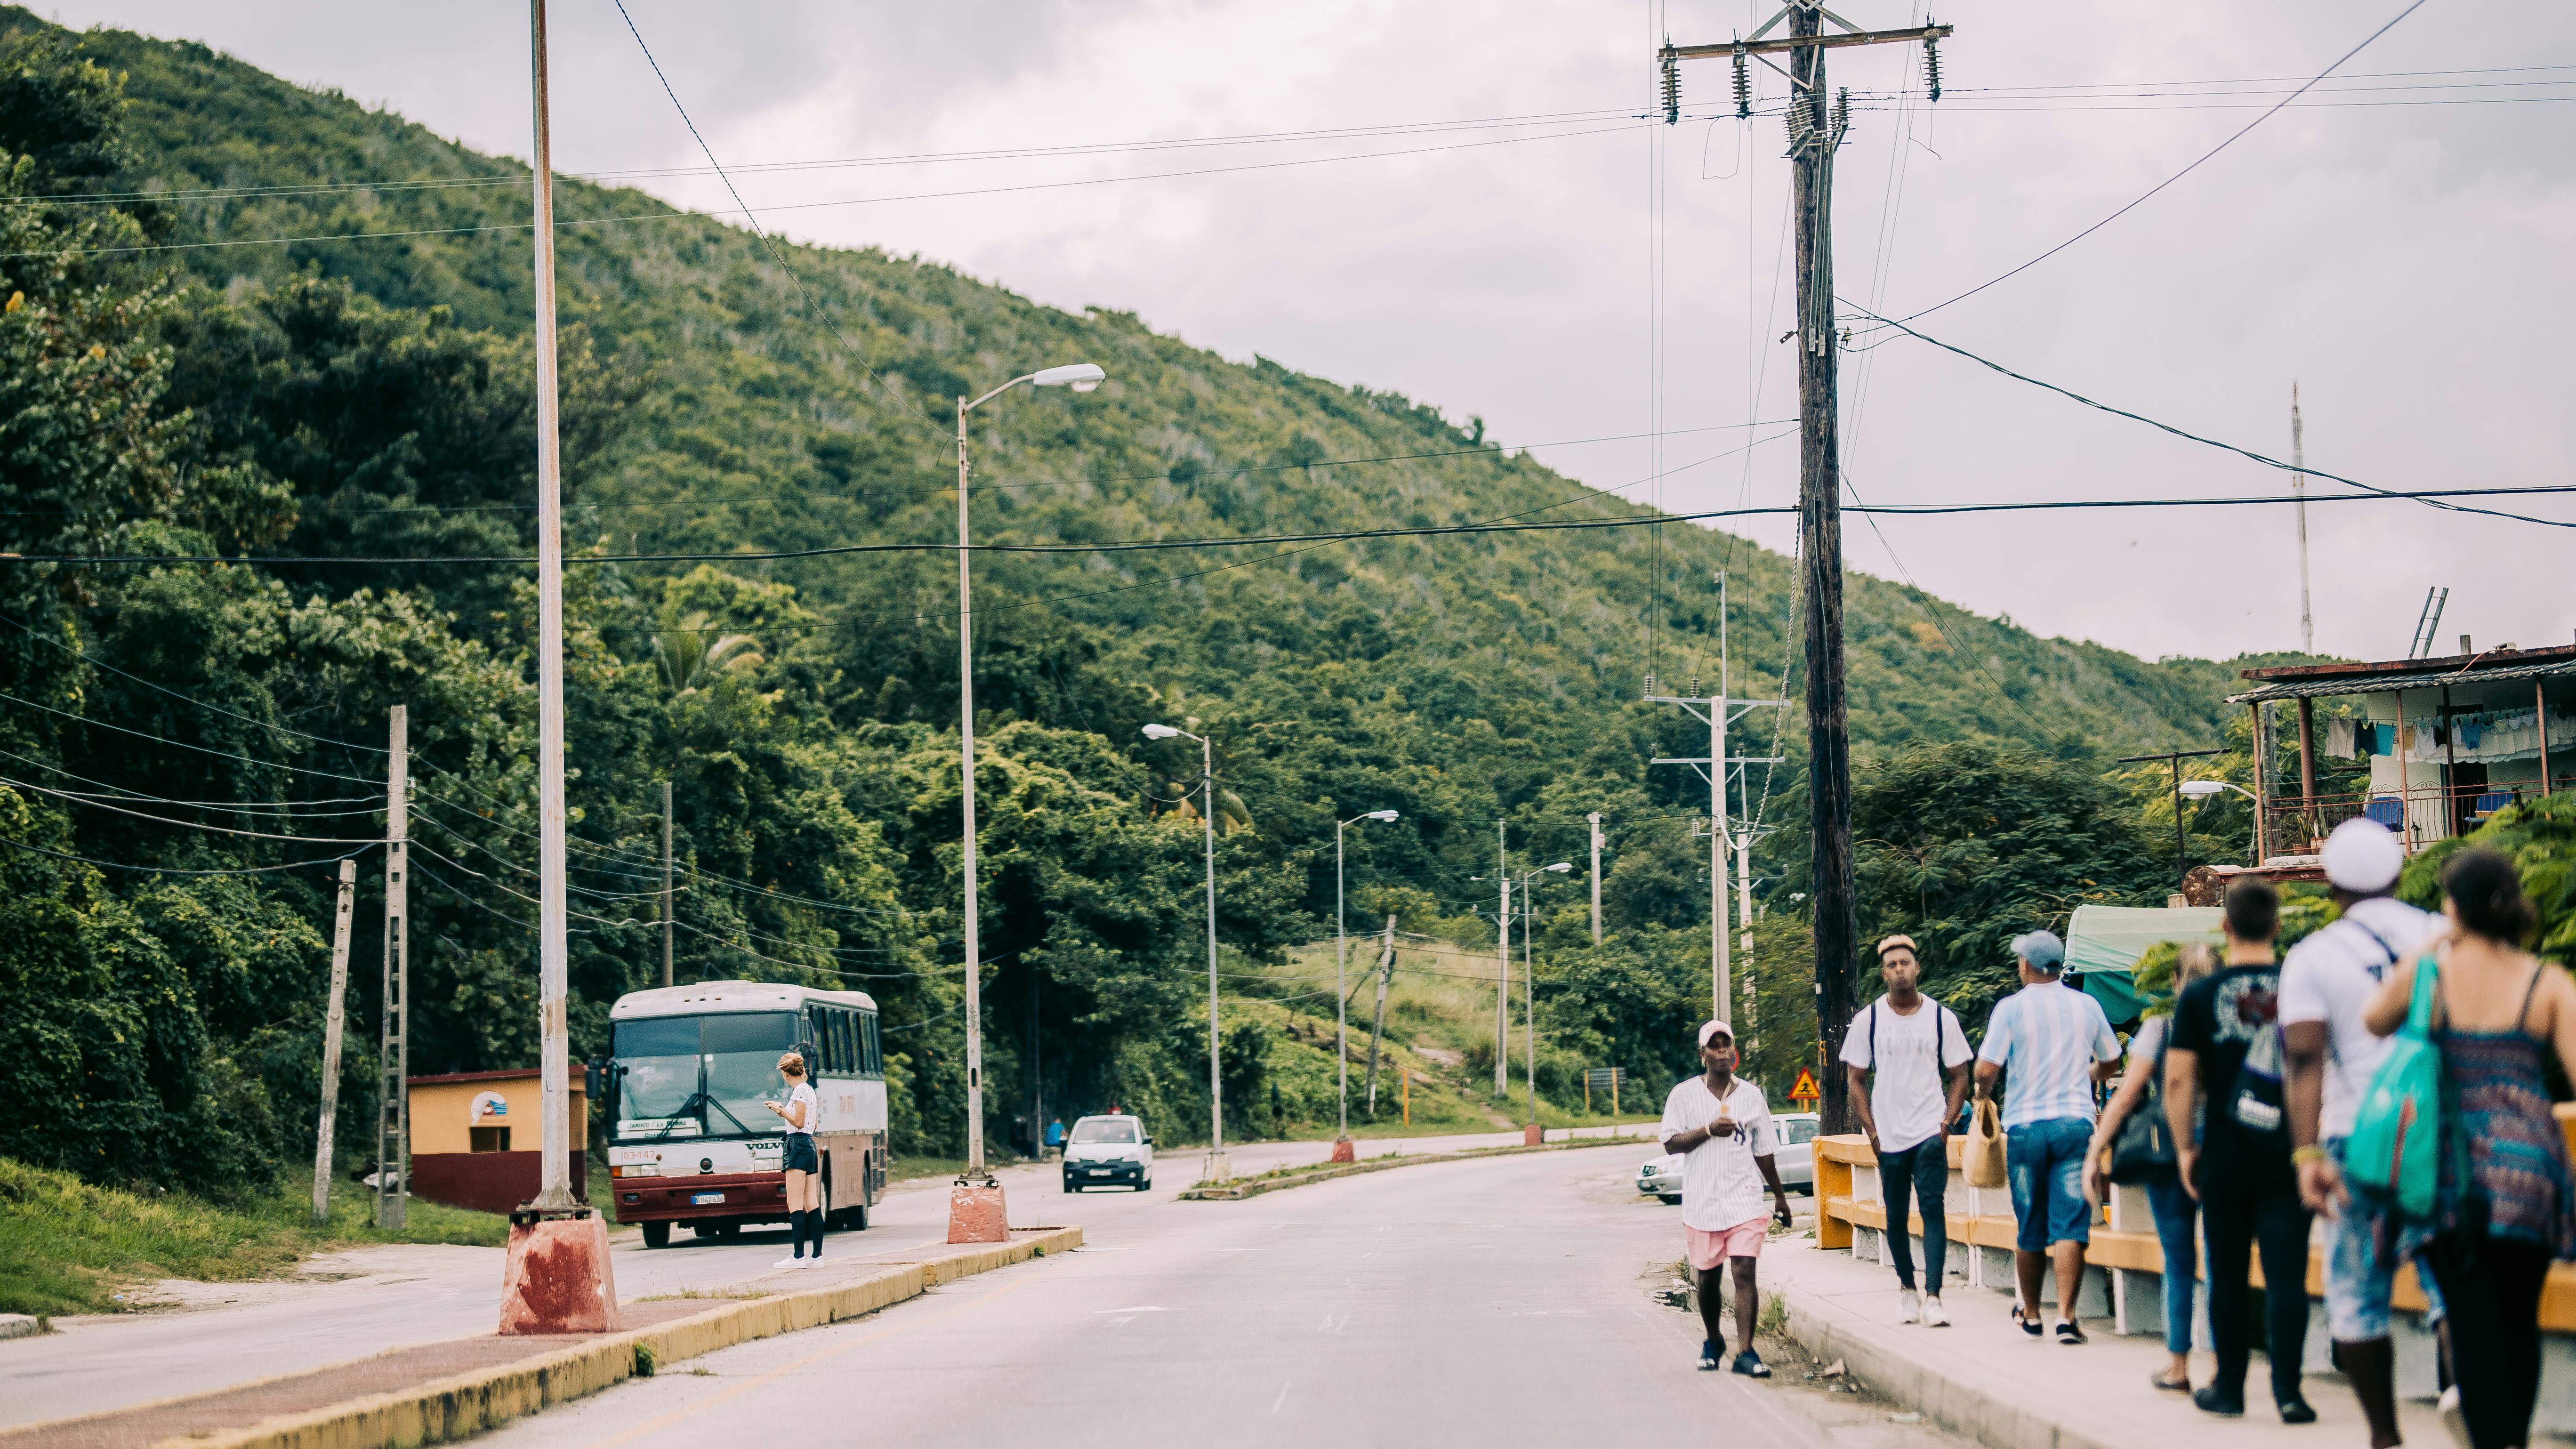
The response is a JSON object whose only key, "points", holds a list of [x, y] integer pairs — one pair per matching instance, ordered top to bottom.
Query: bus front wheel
{"points": [[657, 1235]]}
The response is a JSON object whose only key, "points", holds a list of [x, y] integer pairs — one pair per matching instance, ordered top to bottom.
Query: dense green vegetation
{"points": [[331, 400]]}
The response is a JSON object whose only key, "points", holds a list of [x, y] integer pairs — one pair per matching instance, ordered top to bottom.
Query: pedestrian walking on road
{"points": [[2327, 982], [2058, 1046], [2226, 1052], [1918, 1055], [798, 1112], [1720, 1126], [2505, 1210], [2176, 1211]]}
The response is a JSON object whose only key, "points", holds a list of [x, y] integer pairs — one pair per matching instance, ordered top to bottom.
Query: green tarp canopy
{"points": [[2103, 944]]}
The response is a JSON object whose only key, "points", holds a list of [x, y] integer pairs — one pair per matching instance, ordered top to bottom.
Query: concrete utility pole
{"points": [[1817, 125], [2299, 487], [1716, 767], [1595, 818], [666, 883], [1502, 963], [1342, 965], [1385, 973], [331, 1019], [1747, 1022], [393, 1051]]}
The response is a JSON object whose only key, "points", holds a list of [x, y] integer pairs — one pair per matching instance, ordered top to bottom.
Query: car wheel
{"points": [[1144, 1184], [1070, 1186], [1671, 1199], [657, 1235]]}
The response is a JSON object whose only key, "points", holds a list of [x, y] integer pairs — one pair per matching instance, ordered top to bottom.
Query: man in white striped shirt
{"points": [[2058, 1045]]}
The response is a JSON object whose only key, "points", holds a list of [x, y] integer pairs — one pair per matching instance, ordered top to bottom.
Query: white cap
{"points": [[2362, 856], [1709, 1029]]}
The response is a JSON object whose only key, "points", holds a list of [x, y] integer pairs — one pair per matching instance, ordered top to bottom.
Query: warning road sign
{"points": [[1805, 1090]]}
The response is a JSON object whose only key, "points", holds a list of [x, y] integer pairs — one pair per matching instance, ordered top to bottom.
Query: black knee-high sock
{"points": [[814, 1229], [796, 1233]]}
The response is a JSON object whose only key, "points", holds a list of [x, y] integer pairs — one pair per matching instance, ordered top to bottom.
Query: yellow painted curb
{"points": [[1256, 1186], [471, 1403]]}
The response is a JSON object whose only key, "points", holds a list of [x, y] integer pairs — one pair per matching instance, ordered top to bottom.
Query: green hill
{"points": [[325, 396]]}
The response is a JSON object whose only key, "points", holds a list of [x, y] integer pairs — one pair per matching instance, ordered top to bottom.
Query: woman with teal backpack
{"points": [[2504, 1208]]}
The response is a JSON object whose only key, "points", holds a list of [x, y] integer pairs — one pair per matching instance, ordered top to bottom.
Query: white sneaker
{"points": [[789, 1263], [1909, 1307], [1934, 1315], [2452, 1419]]}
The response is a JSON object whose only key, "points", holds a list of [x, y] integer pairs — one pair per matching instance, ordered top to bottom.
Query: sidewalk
{"points": [[1986, 1380], [433, 1392]]}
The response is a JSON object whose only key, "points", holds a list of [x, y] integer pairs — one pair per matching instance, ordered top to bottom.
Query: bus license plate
{"points": [[702, 1199]]}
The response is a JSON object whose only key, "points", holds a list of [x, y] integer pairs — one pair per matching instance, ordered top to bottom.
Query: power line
{"points": [[2411, 8], [174, 694], [181, 744], [79, 799], [176, 870]]}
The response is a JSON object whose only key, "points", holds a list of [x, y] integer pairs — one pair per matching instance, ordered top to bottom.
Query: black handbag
{"points": [[2143, 1150]]}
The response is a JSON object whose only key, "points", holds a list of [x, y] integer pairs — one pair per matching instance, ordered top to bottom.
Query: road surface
{"points": [[1503, 1301], [354, 1304]]}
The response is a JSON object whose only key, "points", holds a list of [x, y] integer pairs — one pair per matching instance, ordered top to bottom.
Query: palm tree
{"points": [[691, 654]]}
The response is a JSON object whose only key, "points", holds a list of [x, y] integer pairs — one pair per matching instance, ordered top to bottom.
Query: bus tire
{"points": [[657, 1235]]}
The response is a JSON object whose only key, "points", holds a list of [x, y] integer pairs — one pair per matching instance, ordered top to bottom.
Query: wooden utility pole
{"points": [[1817, 123], [1595, 818], [666, 883], [1502, 964], [1385, 971], [332, 1015], [393, 1053]]}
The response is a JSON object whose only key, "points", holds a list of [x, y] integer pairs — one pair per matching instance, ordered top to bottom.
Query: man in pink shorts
{"points": [[1720, 1126]]}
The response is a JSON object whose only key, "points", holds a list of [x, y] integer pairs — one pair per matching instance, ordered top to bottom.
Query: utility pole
{"points": [[1816, 130], [2299, 487], [1716, 711], [2174, 759], [1595, 818], [666, 883], [1502, 964], [1385, 973], [331, 1020], [1749, 1021], [393, 1050]]}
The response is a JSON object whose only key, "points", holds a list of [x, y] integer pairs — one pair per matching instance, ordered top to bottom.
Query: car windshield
{"points": [[666, 1062], [1797, 1131], [1089, 1132]]}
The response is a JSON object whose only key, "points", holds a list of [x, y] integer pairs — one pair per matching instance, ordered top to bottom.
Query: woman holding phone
{"points": [[804, 1219]]}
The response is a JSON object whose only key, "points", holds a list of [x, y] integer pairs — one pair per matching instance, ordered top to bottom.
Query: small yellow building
{"points": [[475, 1137]]}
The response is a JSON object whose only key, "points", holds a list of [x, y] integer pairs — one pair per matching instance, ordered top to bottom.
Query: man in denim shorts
{"points": [[2325, 982], [2057, 1045]]}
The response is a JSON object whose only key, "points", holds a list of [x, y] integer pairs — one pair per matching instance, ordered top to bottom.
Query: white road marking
{"points": [[1283, 1398]]}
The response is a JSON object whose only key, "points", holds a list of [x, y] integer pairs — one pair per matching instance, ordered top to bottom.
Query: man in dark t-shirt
{"points": [[2226, 1062]]}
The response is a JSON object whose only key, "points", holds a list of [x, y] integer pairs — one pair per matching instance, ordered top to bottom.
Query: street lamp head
{"points": [[1080, 376], [1161, 732], [2203, 789], [1381, 816], [1562, 866]]}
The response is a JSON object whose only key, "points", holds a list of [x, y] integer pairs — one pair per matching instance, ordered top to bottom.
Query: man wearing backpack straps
{"points": [[2326, 981], [1920, 1057]]}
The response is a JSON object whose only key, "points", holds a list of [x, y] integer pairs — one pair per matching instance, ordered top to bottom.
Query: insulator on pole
{"points": [[1932, 66], [1743, 85], [1672, 91], [1842, 114], [1802, 121]]}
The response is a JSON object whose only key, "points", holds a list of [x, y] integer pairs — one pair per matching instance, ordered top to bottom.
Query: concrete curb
{"points": [[1255, 1187], [19, 1325], [471, 1403], [1963, 1409]]}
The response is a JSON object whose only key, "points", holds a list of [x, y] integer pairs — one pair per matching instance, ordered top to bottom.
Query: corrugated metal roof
{"points": [[2501, 671]]}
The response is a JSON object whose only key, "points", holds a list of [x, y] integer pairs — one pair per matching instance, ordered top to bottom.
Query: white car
{"points": [[1108, 1151], [1796, 1159]]}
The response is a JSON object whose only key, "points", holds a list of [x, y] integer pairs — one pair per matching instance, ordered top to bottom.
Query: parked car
{"points": [[1107, 1151], [1795, 1159]]}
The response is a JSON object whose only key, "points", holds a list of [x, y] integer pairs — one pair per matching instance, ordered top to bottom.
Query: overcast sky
{"points": [[2403, 247]]}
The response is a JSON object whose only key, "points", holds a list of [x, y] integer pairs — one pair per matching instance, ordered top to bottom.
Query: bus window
{"points": [[836, 1055], [660, 1057], [873, 1062], [742, 1070]]}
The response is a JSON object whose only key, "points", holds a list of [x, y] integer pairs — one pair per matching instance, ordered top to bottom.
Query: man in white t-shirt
{"points": [[2325, 982], [1919, 1055], [1720, 1126]]}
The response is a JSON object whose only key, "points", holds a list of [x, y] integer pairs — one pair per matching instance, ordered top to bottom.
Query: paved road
{"points": [[395, 1296], [1500, 1301]]}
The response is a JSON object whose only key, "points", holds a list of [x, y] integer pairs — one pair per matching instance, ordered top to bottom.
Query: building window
{"points": [[489, 1139]]}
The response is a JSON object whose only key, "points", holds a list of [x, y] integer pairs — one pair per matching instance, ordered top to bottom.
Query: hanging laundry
{"points": [[2339, 739], [2383, 739]]}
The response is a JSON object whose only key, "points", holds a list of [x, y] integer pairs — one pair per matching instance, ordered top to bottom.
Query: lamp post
{"points": [[2204, 789], [1341, 971], [1529, 989], [1216, 1164], [989, 1223]]}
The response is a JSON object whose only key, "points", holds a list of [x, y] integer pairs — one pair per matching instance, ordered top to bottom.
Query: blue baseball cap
{"points": [[2041, 949]]}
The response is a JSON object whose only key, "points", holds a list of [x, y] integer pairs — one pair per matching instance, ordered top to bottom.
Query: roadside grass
{"points": [[68, 1247]]}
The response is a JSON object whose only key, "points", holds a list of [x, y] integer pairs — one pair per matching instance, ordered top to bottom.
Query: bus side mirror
{"points": [[594, 1077]]}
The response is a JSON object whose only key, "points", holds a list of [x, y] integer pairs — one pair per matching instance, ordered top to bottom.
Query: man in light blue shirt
{"points": [[2058, 1045]]}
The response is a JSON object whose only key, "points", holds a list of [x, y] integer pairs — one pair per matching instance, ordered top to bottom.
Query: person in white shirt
{"points": [[2326, 982], [2058, 1047], [1919, 1055], [798, 1114], [1720, 1126]]}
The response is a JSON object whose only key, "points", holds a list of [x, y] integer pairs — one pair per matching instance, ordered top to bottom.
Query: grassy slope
{"points": [[754, 401], [66, 1247]]}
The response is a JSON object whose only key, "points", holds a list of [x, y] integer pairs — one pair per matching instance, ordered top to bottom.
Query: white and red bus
{"points": [[687, 1071]]}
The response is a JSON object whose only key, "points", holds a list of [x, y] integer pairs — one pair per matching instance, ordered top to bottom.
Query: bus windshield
{"points": [[701, 1076]]}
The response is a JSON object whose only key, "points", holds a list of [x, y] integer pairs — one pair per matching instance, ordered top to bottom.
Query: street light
{"points": [[1081, 377], [2206, 789], [1341, 966], [1529, 986], [1216, 1166]]}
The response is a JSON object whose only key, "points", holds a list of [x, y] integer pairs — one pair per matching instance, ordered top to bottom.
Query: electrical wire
{"points": [[2411, 8], [175, 694], [181, 744], [79, 799], [176, 870]]}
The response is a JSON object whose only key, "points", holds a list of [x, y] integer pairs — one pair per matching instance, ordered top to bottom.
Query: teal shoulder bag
{"points": [[2396, 1143]]}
